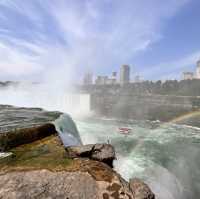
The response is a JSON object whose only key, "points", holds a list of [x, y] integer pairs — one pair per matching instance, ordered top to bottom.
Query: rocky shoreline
{"points": [[40, 166]]}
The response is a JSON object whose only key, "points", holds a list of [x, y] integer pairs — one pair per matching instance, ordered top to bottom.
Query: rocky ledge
{"points": [[100, 152], [41, 167], [97, 181]]}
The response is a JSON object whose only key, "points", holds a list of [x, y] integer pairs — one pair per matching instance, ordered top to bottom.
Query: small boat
{"points": [[124, 130]]}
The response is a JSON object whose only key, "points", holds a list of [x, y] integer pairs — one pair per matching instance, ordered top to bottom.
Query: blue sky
{"points": [[62, 39]]}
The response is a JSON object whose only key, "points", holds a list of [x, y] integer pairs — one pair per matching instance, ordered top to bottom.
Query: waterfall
{"points": [[76, 104], [67, 130]]}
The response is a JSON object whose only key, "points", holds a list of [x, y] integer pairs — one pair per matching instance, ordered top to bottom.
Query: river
{"points": [[166, 156]]}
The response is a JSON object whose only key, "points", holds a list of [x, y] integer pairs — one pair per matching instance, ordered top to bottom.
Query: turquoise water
{"points": [[166, 156]]}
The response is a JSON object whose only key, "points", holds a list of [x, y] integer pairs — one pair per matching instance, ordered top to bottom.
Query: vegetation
{"points": [[47, 153]]}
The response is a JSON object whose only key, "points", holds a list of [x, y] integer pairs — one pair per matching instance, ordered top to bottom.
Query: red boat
{"points": [[124, 130]]}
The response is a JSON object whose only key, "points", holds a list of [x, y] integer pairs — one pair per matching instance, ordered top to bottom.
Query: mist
{"points": [[49, 98]]}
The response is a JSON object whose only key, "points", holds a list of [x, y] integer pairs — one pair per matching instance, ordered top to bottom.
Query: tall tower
{"points": [[198, 70], [124, 74]]}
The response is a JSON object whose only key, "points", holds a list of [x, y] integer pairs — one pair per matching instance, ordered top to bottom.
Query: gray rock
{"points": [[20, 125], [12, 139], [100, 152], [83, 179], [46, 184], [62, 185], [140, 189]]}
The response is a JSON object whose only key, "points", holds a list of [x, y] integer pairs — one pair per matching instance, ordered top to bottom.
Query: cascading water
{"points": [[76, 104], [67, 130], [166, 156]]}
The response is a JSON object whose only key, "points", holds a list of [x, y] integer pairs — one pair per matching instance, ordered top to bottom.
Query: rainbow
{"points": [[186, 116]]}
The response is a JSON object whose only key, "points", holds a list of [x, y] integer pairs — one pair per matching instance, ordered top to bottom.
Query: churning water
{"points": [[166, 156]]}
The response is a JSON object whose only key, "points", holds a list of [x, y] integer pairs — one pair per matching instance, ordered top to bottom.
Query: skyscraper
{"points": [[198, 70], [124, 74]]}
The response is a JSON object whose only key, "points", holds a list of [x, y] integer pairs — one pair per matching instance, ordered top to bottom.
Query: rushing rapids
{"points": [[166, 156]]}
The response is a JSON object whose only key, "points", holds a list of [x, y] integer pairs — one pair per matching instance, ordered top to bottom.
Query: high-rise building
{"points": [[198, 70], [124, 74], [88, 79]]}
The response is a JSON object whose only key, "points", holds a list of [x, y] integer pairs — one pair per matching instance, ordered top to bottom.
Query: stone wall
{"points": [[152, 107]]}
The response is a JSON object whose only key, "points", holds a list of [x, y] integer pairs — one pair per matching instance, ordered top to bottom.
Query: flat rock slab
{"points": [[14, 118], [19, 125], [18, 137], [100, 152], [46, 184], [82, 184], [62, 185]]}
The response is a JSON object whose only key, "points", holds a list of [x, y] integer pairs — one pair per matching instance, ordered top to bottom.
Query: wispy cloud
{"points": [[59, 37], [173, 69]]}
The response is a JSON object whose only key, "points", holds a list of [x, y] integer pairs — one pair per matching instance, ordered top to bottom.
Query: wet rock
{"points": [[15, 118], [19, 125], [18, 137], [100, 152], [140, 189]]}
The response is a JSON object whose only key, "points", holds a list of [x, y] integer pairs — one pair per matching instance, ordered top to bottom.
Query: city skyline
{"points": [[47, 39]]}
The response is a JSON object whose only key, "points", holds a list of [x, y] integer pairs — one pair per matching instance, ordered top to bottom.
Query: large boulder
{"points": [[20, 125], [18, 137], [100, 152], [86, 179], [46, 184], [140, 189]]}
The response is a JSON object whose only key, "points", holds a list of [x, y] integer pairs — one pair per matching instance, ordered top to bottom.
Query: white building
{"points": [[188, 75], [101, 80], [105, 80]]}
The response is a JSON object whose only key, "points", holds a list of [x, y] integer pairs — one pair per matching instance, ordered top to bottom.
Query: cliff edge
{"points": [[44, 168]]}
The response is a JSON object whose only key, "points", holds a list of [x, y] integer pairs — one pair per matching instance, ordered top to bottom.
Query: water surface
{"points": [[166, 156]]}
